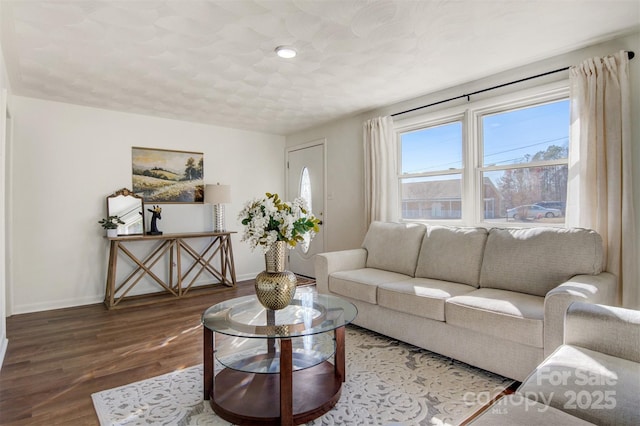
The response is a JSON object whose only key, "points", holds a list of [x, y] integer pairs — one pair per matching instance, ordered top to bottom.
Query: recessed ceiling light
{"points": [[286, 52]]}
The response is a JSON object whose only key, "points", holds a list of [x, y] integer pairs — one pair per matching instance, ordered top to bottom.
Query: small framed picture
{"points": [[166, 176]]}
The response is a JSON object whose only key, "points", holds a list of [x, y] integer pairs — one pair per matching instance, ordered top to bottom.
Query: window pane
{"points": [[531, 134], [432, 149], [305, 193], [528, 194], [432, 198]]}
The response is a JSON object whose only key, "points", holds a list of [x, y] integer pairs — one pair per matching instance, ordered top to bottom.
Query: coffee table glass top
{"points": [[309, 313], [256, 331]]}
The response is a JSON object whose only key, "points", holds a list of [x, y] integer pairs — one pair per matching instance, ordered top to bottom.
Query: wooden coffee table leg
{"points": [[339, 357], [208, 362], [286, 382]]}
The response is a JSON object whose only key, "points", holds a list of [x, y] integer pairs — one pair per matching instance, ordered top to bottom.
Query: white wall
{"points": [[344, 137], [68, 158], [344, 208]]}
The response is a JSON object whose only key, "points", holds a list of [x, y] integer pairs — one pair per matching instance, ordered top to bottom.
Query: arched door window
{"points": [[305, 193]]}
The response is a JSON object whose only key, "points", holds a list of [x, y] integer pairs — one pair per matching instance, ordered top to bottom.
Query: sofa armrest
{"points": [[345, 260], [601, 288], [607, 329]]}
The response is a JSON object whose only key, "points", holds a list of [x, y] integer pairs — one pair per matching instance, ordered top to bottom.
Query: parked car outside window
{"points": [[560, 205], [532, 211]]}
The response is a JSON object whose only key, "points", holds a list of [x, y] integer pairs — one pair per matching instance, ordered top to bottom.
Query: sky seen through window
{"points": [[511, 137]]}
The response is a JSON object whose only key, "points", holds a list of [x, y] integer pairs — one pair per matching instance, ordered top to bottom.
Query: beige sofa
{"points": [[493, 298], [593, 378]]}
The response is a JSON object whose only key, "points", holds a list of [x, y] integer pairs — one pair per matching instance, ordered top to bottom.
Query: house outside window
{"points": [[497, 161]]}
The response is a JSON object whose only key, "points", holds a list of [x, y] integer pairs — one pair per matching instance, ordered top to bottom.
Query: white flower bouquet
{"points": [[269, 219]]}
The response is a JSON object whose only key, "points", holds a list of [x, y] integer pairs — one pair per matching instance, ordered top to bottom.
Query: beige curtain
{"points": [[380, 168], [600, 194]]}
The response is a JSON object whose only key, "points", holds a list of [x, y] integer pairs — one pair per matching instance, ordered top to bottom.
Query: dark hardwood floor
{"points": [[57, 359]]}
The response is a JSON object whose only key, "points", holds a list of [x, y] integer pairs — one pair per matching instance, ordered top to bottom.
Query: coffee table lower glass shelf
{"points": [[280, 367]]}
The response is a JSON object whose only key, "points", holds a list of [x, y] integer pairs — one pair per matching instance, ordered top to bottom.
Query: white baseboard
{"points": [[245, 277], [81, 301], [57, 304]]}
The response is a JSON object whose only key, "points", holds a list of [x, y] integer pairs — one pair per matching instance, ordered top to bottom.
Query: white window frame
{"points": [[471, 114]]}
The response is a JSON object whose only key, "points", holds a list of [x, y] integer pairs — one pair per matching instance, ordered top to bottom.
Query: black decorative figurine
{"points": [[156, 216]]}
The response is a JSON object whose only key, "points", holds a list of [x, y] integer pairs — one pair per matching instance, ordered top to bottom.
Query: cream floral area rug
{"points": [[388, 383]]}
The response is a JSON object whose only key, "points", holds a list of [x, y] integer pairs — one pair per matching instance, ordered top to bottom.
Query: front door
{"points": [[305, 178]]}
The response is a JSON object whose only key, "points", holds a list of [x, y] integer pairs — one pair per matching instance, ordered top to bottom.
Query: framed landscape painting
{"points": [[165, 176]]}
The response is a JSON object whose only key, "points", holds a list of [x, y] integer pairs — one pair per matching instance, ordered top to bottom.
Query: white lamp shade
{"points": [[217, 194]]}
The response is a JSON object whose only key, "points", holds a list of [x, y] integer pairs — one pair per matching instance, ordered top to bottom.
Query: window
{"points": [[494, 161], [524, 163], [431, 182], [305, 193]]}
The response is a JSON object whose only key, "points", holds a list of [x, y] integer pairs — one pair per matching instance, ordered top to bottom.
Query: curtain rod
{"points": [[630, 54]]}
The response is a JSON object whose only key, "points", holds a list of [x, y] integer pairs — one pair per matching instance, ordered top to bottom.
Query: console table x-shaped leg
{"points": [[178, 250]]}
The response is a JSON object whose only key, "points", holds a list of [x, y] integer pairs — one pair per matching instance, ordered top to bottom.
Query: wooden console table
{"points": [[180, 278]]}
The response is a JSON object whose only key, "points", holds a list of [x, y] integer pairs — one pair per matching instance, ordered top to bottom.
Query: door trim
{"points": [[325, 214]]}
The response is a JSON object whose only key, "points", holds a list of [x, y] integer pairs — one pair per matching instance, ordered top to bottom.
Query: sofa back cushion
{"points": [[393, 246], [452, 254], [536, 260]]}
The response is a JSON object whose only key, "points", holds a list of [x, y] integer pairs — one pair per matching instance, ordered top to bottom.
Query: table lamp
{"points": [[218, 195]]}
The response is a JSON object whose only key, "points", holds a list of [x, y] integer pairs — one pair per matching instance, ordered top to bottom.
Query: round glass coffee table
{"points": [[277, 367]]}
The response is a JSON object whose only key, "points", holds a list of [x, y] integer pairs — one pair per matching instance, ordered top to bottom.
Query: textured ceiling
{"points": [[213, 61]]}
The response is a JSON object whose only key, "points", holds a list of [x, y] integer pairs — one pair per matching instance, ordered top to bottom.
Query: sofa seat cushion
{"points": [[452, 254], [362, 284], [422, 297], [505, 314], [593, 386]]}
